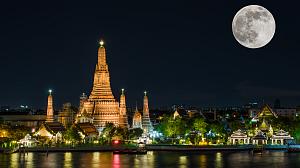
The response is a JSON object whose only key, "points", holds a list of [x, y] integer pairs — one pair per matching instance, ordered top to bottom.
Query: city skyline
{"points": [[165, 49]]}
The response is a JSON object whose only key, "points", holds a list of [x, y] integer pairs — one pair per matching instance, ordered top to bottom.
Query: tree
{"points": [[200, 126], [171, 127], [219, 131], [108, 132], [135, 133], [72, 135]]}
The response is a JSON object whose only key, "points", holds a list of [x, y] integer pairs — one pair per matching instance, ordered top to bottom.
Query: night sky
{"points": [[181, 52]]}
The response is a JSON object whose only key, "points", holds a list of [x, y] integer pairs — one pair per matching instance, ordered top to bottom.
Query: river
{"points": [[152, 159]]}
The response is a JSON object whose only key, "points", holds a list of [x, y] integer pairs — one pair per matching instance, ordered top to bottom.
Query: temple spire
{"points": [[101, 43], [101, 85], [136, 107], [145, 107], [50, 111], [123, 121], [147, 126]]}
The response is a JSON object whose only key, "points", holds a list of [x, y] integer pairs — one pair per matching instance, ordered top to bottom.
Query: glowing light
{"points": [[101, 43], [50, 91], [116, 141]]}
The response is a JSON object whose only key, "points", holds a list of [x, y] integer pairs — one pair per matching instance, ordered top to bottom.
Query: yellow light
{"points": [[101, 43]]}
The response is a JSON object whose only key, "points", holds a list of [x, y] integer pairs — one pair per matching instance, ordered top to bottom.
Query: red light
{"points": [[116, 141]]}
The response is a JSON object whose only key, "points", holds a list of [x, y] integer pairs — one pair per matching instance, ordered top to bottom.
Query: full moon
{"points": [[253, 26]]}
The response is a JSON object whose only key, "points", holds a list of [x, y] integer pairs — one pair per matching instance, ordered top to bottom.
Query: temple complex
{"points": [[101, 104], [50, 111], [264, 118], [123, 120], [146, 123]]}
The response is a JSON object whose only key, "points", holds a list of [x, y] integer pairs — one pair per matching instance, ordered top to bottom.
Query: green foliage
{"points": [[200, 125], [172, 127], [111, 131], [13, 132], [108, 132], [135, 133], [72, 134]]}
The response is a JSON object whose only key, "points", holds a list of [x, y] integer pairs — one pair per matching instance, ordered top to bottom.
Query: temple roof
{"points": [[266, 112], [264, 126], [53, 127], [87, 128], [238, 133], [259, 135]]}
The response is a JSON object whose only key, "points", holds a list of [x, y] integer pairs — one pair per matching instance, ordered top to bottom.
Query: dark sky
{"points": [[180, 51]]}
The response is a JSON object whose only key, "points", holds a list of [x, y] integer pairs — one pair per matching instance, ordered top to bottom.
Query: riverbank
{"points": [[148, 147]]}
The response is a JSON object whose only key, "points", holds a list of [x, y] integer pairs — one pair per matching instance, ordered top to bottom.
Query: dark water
{"points": [[152, 159]]}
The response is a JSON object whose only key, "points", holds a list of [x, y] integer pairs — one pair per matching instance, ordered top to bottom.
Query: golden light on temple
{"points": [[101, 104]]}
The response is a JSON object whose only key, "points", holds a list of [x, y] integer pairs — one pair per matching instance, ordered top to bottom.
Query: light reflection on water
{"points": [[68, 160], [151, 160], [203, 160], [219, 160], [116, 161], [183, 161]]}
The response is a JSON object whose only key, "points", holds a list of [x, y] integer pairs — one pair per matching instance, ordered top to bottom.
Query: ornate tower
{"points": [[101, 104], [50, 117], [137, 119], [123, 121], [146, 123]]}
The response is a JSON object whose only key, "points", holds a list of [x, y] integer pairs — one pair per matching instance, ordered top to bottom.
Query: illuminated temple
{"points": [[101, 104]]}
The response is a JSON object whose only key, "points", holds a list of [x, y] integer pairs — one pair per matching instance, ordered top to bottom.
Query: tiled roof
{"points": [[87, 128]]}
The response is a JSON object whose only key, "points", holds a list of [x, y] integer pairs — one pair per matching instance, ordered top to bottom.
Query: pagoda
{"points": [[101, 104], [50, 111], [137, 119], [123, 121], [146, 123]]}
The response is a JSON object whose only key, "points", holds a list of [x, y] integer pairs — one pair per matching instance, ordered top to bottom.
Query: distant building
{"points": [[286, 112], [176, 114], [66, 115], [31, 121], [28, 141]]}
